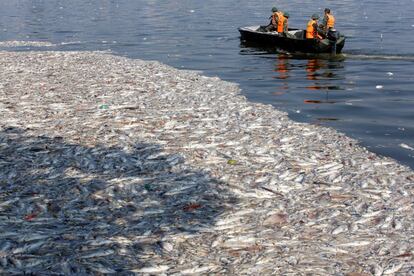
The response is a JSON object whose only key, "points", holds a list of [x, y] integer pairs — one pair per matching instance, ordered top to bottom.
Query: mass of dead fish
{"points": [[116, 166]]}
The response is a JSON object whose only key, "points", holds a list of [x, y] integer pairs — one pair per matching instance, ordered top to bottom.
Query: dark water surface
{"points": [[367, 93]]}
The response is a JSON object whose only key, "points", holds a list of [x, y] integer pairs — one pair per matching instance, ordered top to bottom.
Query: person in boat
{"points": [[276, 21], [328, 22], [285, 26], [312, 28]]}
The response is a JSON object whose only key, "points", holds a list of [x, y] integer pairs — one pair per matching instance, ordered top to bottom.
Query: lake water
{"points": [[368, 92]]}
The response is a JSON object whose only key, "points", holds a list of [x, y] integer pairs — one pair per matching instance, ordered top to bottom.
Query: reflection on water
{"points": [[282, 67], [311, 68], [316, 70], [282, 74]]}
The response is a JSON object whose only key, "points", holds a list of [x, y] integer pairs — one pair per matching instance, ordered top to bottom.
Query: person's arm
{"points": [[276, 20], [324, 21], [315, 31]]}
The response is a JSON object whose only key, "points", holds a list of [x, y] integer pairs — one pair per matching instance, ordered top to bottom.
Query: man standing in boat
{"points": [[276, 22], [328, 22], [312, 28]]}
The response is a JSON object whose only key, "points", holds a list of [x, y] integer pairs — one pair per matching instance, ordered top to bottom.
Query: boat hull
{"points": [[295, 43]]}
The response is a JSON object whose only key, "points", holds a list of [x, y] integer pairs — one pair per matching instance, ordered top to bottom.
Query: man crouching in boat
{"points": [[276, 22], [285, 28], [312, 28]]}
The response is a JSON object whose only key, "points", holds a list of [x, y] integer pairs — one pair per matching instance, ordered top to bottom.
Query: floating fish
{"points": [[145, 185]]}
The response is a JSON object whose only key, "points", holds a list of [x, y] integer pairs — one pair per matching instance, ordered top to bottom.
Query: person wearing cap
{"points": [[276, 20], [328, 21], [285, 28], [312, 28]]}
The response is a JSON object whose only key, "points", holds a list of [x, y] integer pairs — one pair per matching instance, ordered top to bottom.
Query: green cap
{"points": [[274, 9], [286, 14], [315, 16]]}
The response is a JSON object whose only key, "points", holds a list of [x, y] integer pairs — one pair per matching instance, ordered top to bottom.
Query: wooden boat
{"points": [[295, 41]]}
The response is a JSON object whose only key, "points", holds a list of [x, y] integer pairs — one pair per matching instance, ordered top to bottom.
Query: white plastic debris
{"points": [[379, 87]]}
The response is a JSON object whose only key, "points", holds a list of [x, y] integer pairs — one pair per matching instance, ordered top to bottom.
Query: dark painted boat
{"points": [[295, 41]]}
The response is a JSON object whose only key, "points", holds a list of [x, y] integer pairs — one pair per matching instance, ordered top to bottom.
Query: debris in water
{"points": [[312, 101], [405, 146], [232, 162], [191, 207], [31, 216]]}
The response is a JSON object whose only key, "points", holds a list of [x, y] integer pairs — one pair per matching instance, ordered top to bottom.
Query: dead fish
{"points": [[405, 146], [144, 185], [8, 202], [278, 219], [340, 229], [33, 237], [100, 242], [355, 244], [4, 247], [29, 248], [99, 253], [16, 262], [33, 263], [100, 268], [152, 269], [198, 270], [391, 270]]}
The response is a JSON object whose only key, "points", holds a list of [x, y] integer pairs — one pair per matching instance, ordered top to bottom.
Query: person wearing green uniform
{"points": [[276, 20], [285, 25]]}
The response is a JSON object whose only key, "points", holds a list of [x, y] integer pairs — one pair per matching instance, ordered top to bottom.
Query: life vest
{"points": [[277, 19], [330, 21], [280, 24], [311, 32]]}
